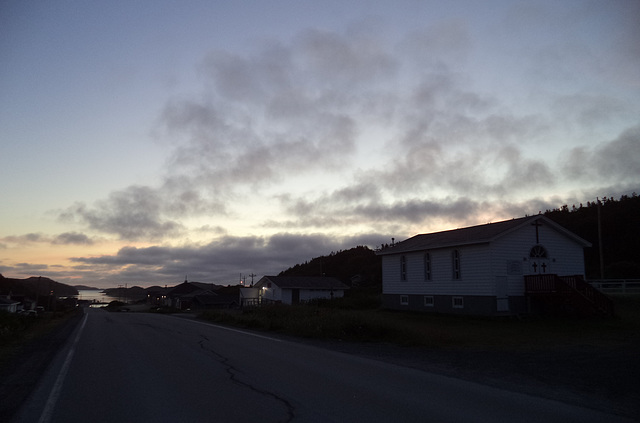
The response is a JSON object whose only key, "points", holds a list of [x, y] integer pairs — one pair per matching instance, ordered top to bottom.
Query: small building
{"points": [[482, 269], [293, 289], [181, 296], [9, 305]]}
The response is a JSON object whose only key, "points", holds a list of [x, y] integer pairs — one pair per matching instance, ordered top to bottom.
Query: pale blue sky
{"points": [[142, 141]]}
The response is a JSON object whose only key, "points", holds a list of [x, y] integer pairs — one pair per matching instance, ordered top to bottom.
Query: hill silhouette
{"points": [[358, 266], [35, 286]]}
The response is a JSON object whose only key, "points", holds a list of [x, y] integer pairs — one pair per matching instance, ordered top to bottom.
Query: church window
{"points": [[538, 251], [455, 258], [427, 266]]}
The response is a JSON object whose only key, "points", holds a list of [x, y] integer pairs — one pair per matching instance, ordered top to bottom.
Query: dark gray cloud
{"points": [[617, 161], [377, 213], [132, 214], [26, 238], [66, 238], [72, 238], [221, 261], [30, 268]]}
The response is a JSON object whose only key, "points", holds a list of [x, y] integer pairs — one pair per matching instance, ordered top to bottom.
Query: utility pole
{"points": [[600, 240], [252, 275]]}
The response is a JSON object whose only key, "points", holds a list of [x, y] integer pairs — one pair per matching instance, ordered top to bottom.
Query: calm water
{"points": [[94, 295]]}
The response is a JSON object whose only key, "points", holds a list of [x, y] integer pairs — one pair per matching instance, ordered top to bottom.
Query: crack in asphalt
{"points": [[233, 372]]}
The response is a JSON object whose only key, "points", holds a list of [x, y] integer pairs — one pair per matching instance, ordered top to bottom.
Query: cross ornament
{"points": [[537, 225]]}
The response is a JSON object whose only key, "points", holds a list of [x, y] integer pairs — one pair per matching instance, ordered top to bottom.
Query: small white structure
{"points": [[479, 269], [295, 289], [9, 305]]}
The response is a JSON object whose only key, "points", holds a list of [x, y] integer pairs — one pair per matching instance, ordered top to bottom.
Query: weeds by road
{"points": [[339, 320], [27, 346]]}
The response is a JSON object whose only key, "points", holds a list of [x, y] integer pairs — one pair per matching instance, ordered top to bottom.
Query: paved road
{"points": [[130, 367]]}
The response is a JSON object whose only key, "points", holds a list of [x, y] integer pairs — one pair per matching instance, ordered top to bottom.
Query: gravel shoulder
{"points": [[598, 377]]}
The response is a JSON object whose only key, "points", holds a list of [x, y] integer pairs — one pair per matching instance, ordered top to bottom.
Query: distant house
{"points": [[507, 267], [293, 289], [181, 296], [198, 296], [8, 305]]}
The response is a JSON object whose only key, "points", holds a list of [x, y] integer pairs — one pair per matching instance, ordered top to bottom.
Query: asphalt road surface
{"points": [[137, 367]]}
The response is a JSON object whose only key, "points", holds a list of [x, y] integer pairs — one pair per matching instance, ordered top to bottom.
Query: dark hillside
{"points": [[620, 220], [359, 266], [35, 286]]}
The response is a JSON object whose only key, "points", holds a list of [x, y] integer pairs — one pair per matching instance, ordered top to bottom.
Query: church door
{"points": [[538, 257], [539, 261]]}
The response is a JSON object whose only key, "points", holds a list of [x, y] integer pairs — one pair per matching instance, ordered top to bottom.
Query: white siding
{"points": [[565, 257], [482, 263], [474, 266], [273, 293], [276, 293], [310, 294], [285, 295]]}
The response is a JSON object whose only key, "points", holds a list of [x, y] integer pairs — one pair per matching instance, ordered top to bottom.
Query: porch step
{"points": [[570, 293]]}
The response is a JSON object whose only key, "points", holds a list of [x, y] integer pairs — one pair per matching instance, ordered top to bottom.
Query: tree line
{"points": [[620, 229]]}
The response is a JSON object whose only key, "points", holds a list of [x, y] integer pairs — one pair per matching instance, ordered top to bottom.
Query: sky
{"points": [[146, 142]]}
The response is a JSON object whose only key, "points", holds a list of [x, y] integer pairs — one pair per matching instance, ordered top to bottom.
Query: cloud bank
{"points": [[302, 146]]}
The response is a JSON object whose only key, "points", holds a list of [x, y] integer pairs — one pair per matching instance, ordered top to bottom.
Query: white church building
{"points": [[493, 269]]}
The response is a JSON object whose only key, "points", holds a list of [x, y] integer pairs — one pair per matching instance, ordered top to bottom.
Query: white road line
{"points": [[235, 330], [47, 412]]}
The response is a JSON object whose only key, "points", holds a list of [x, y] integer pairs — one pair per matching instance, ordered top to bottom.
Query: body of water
{"points": [[94, 295]]}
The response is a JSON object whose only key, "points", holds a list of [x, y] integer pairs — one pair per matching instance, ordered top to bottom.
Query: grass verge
{"points": [[327, 321], [18, 330]]}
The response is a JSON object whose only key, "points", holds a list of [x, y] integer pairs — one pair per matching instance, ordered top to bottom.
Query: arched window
{"points": [[538, 251], [455, 260]]}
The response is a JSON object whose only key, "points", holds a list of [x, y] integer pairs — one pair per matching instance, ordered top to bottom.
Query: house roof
{"points": [[474, 235], [303, 282], [190, 287], [4, 301]]}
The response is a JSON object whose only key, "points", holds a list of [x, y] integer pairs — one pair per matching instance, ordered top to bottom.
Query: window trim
{"points": [[455, 265], [427, 266], [403, 267], [457, 299], [404, 300], [429, 301]]}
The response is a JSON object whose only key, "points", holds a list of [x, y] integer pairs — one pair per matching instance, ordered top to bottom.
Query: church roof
{"points": [[474, 235]]}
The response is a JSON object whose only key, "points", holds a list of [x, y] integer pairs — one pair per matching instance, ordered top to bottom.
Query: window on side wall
{"points": [[455, 260], [427, 266], [403, 268], [404, 300], [428, 301], [457, 302]]}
